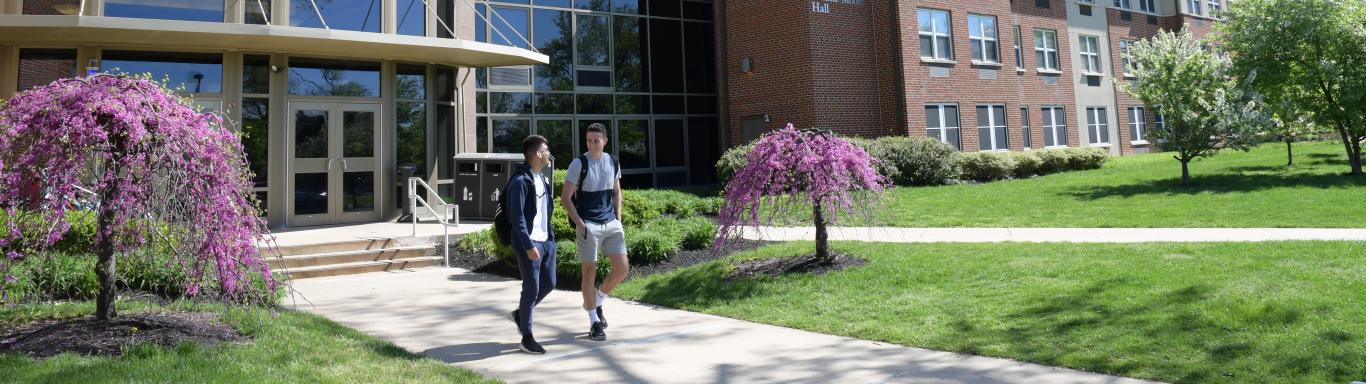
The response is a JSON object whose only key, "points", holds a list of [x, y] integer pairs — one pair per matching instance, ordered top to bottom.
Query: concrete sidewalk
{"points": [[1067, 235], [460, 317]]}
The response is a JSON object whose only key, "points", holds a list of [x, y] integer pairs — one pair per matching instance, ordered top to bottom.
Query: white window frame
{"points": [[1123, 4], [1193, 6], [1215, 6], [980, 21], [934, 34], [1046, 45], [1089, 48], [1019, 52], [1125, 58], [1058, 116], [1097, 120], [1138, 125], [944, 126], [1000, 144]]}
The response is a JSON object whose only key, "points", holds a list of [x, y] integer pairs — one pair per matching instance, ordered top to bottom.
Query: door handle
{"points": [[329, 163], [344, 165]]}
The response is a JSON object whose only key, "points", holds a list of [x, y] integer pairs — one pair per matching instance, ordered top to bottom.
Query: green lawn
{"points": [[1236, 189], [1274, 312], [289, 347]]}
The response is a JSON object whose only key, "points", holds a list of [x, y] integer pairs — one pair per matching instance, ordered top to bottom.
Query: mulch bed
{"points": [[482, 263], [799, 264], [91, 337]]}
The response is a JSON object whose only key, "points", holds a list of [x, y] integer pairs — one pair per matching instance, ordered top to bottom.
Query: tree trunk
{"points": [[1289, 154], [1354, 156], [1185, 172], [822, 238], [104, 268]]}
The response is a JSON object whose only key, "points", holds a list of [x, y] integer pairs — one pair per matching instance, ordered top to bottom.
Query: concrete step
{"points": [[355, 245], [317, 259], [364, 267]]}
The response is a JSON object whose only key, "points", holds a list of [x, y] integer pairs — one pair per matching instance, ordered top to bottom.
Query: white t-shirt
{"points": [[540, 230]]}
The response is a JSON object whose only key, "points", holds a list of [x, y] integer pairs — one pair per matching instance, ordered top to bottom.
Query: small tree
{"points": [[1309, 53], [1204, 106], [1288, 125], [790, 168], [162, 172]]}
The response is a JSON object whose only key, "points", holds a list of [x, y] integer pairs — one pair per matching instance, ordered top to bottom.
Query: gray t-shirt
{"points": [[596, 202]]}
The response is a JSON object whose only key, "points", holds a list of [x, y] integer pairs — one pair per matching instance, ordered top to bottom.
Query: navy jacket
{"points": [[522, 207]]}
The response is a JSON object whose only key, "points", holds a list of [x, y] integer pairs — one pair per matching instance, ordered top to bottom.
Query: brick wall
{"points": [[1136, 29], [775, 36], [853, 63], [40, 67]]}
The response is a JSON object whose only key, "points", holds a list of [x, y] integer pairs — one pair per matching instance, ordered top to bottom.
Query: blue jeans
{"points": [[538, 279]]}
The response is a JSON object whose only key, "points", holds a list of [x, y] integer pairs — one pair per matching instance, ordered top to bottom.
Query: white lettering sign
{"points": [[823, 6]]}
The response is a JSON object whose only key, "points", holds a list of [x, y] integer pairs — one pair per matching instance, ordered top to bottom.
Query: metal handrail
{"points": [[414, 201]]}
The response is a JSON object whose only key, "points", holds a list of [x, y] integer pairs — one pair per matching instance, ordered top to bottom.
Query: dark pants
{"points": [[538, 279]]}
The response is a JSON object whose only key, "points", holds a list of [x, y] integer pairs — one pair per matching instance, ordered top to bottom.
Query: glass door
{"points": [[333, 163]]}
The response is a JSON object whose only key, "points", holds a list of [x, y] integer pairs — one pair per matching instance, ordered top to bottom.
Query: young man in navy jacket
{"points": [[529, 207]]}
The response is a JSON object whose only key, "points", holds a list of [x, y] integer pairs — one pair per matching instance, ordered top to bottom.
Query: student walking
{"points": [[592, 198]]}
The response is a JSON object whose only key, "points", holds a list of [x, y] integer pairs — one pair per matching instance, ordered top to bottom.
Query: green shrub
{"points": [[882, 151], [1087, 158], [919, 160], [1053, 160], [731, 162], [1027, 164], [988, 166], [710, 206], [639, 208], [698, 233], [649, 247], [569, 268], [71, 276]]}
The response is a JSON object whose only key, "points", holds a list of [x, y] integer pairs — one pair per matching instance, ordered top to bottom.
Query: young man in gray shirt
{"points": [[594, 207]]}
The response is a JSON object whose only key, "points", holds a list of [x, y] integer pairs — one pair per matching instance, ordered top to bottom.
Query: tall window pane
{"points": [[189, 10], [348, 15], [411, 18], [510, 26], [935, 35], [553, 38], [982, 38], [592, 40], [699, 51], [630, 58], [666, 63], [191, 72], [941, 122], [991, 127], [412, 134], [560, 134], [508, 135], [255, 136], [633, 143]]}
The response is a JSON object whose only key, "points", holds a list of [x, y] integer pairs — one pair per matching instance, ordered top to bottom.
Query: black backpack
{"points": [[583, 174], [502, 226]]}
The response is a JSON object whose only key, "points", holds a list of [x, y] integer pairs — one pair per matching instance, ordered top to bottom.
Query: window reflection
{"points": [[190, 10], [350, 15], [185, 72], [333, 78]]}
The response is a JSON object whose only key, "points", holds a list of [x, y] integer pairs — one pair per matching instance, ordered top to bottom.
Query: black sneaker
{"points": [[513, 316], [601, 318], [595, 332], [529, 345]]}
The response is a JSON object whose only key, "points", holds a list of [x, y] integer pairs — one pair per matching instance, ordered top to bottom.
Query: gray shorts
{"points": [[610, 238]]}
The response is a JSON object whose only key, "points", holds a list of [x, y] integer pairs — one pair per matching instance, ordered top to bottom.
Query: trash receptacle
{"points": [[467, 175], [480, 179]]}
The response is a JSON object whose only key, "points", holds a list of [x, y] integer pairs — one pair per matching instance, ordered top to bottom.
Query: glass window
{"points": [[551, 3], [1123, 4], [593, 5], [627, 6], [1149, 6], [1215, 6], [52, 7], [1193, 7], [665, 8], [190, 10], [697, 10], [257, 12], [349, 15], [411, 18], [511, 28], [552, 35], [936, 38], [982, 38], [592, 40], [1046, 50], [630, 53], [1019, 53], [1090, 54], [1124, 57], [666, 63], [701, 63], [38, 67], [191, 72], [256, 74], [317, 77], [594, 78], [411, 82], [510, 102], [555, 103], [594, 104], [633, 104], [668, 105], [701, 105], [941, 122], [1097, 126], [1024, 127], [1054, 127], [991, 128], [481, 129], [1138, 129], [509, 133], [412, 134], [560, 134], [255, 136], [669, 139], [633, 143], [704, 148]]}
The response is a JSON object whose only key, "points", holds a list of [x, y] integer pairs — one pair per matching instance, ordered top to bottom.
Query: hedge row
{"points": [[922, 161]]}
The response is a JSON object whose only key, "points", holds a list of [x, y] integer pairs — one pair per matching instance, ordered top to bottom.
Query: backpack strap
{"points": [[583, 174]]}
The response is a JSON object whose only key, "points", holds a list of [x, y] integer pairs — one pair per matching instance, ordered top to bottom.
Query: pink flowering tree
{"points": [[796, 169], [161, 172]]}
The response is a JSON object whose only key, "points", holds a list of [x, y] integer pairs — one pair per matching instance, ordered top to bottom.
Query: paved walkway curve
{"points": [[1075, 235], [460, 317]]}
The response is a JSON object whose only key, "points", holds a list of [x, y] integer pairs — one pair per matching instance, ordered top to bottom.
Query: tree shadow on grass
{"points": [[1217, 183], [700, 286]]}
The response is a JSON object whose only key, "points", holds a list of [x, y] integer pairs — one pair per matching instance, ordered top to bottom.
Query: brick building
{"points": [[980, 75]]}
